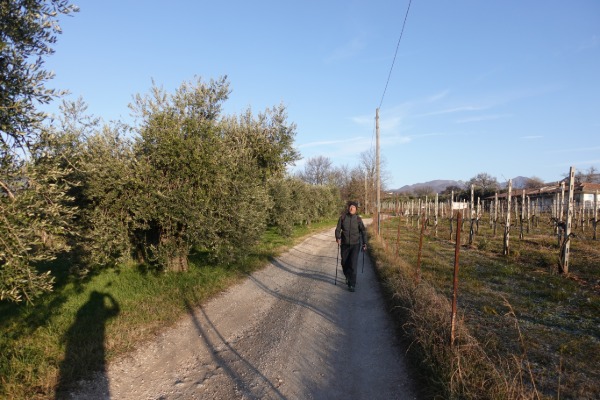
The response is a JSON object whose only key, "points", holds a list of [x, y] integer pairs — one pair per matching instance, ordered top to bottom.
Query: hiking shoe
{"points": [[351, 288]]}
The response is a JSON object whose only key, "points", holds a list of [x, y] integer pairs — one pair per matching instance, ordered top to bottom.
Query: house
{"points": [[584, 194]]}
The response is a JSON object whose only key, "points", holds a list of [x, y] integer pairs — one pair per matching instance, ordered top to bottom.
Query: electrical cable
{"points": [[395, 54]]}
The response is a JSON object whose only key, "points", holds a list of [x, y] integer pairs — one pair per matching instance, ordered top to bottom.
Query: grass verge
{"points": [[84, 324]]}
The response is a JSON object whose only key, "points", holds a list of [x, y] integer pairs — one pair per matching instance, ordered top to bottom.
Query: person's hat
{"points": [[352, 203]]}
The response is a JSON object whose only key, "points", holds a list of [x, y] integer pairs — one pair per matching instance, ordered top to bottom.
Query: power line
{"points": [[395, 54]]}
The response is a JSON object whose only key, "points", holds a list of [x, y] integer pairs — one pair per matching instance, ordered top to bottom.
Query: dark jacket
{"points": [[350, 229]]}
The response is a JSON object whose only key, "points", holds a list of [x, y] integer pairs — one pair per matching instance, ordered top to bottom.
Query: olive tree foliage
{"points": [[28, 29], [191, 178], [424, 191], [458, 191], [109, 197], [296, 202], [34, 205], [36, 218]]}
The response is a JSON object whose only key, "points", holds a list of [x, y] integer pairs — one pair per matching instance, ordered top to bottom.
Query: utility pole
{"points": [[377, 171]]}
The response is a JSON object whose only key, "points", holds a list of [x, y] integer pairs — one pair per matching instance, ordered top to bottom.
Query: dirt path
{"points": [[287, 332]]}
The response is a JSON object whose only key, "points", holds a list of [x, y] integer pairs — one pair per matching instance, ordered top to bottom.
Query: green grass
{"points": [[558, 317], [85, 323]]}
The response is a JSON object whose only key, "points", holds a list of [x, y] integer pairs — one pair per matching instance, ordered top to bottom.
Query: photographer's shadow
{"points": [[85, 357]]}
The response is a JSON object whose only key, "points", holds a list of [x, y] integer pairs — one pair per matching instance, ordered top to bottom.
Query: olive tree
{"points": [[202, 177], [34, 210]]}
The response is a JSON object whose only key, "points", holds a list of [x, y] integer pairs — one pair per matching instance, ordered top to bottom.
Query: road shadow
{"points": [[290, 299], [85, 356], [226, 357]]}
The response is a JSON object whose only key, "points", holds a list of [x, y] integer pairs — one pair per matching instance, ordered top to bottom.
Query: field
{"points": [[535, 330]]}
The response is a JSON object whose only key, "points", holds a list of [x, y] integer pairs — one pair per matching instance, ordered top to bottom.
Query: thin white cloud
{"points": [[589, 44], [347, 50], [485, 75], [438, 96], [453, 110], [482, 118], [364, 120], [386, 122], [428, 135], [532, 137], [395, 140], [328, 142], [575, 150], [580, 163]]}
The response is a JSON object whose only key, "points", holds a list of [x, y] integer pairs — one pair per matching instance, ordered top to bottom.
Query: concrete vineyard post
{"points": [[566, 245]]}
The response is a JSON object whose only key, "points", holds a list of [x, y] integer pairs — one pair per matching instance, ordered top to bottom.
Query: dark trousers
{"points": [[350, 254]]}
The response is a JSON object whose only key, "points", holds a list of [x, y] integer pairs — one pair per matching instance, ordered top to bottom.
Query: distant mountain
{"points": [[517, 183], [438, 186]]}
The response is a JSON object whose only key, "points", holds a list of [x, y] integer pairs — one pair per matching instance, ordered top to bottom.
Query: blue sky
{"points": [[504, 87]]}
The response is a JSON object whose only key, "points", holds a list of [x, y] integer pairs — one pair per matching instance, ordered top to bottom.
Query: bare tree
{"points": [[317, 171], [592, 175], [340, 176], [484, 181], [534, 183]]}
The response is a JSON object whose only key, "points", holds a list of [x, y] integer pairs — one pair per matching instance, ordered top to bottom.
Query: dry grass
{"points": [[524, 331]]}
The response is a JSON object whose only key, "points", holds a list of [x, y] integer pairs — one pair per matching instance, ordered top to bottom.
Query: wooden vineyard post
{"points": [[562, 202], [516, 208], [451, 212], [495, 212], [555, 212], [464, 213], [528, 213], [537, 213], [595, 213], [419, 214], [471, 215], [477, 215], [491, 215], [522, 217], [435, 218], [398, 239], [566, 244], [506, 247], [418, 277], [455, 281]]}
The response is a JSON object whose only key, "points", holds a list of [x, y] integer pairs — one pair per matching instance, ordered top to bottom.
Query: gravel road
{"points": [[286, 332]]}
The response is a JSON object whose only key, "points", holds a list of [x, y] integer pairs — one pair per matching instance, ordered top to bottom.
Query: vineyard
{"points": [[526, 327]]}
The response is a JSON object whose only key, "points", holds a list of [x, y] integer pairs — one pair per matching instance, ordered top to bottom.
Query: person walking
{"points": [[349, 232]]}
